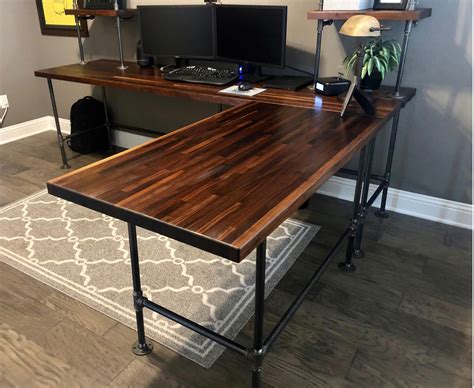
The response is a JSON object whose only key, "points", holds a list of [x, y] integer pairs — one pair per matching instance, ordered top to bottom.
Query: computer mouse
{"points": [[244, 86]]}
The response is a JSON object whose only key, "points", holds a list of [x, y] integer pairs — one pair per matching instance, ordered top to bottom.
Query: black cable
{"points": [[301, 71]]}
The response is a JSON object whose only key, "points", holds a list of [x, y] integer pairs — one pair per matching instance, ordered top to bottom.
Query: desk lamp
{"points": [[360, 26]]}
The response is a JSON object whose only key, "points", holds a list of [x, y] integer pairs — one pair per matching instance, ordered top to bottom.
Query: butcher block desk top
{"points": [[104, 72], [225, 183]]}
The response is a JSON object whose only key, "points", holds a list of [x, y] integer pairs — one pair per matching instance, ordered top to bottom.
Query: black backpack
{"points": [[88, 121]]}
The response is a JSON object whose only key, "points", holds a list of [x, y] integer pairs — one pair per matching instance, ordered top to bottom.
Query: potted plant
{"points": [[379, 58]]}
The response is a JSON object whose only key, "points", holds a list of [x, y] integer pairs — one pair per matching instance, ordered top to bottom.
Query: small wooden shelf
{"points": [[123, 13], [416, 15]]}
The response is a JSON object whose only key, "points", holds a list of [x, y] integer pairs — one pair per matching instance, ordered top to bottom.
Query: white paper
{"points": [[235, 90]]}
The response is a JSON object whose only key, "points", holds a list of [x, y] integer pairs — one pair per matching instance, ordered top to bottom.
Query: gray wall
{"points": [[22, 51], [434, 145]]}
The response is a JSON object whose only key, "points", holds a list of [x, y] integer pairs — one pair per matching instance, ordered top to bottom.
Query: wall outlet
{"points": [[4, 102]]}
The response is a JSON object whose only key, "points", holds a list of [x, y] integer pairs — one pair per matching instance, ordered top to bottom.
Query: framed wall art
{"points": [[54, 21]]}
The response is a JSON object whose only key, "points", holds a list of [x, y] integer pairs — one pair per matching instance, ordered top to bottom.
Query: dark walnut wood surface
{"points": [[84, 12], [415, 15], [106, 73], [225, 183]]}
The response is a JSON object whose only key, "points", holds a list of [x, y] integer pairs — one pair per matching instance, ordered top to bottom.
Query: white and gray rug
{"points": [[85, 255]]}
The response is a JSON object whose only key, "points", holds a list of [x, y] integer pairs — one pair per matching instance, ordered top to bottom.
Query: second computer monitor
{"points": [[178, 31], [251, 34]]}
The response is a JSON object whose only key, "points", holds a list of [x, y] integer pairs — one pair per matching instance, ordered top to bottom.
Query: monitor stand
{"points": [[178, 63], [250, 73]]}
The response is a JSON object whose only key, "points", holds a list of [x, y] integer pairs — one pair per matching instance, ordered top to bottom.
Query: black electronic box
{"points": [[331, 86]]}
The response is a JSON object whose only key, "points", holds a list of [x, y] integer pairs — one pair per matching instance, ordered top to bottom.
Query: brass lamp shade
{"points": [[361, 26]]}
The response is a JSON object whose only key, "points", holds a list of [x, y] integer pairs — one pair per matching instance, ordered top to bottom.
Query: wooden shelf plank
{"points": [[123, 13], [416, 15]]}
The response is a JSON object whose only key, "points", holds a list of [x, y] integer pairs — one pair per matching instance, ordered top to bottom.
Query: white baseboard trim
{"points": [[29, 128], [22, 130], [399, 201], [404, 202]]}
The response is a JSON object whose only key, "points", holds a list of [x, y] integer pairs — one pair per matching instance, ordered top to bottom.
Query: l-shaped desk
{"points": [[227, 182]]}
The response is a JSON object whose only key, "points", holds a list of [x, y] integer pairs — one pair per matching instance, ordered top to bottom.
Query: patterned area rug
{"points": [[85, 255]]}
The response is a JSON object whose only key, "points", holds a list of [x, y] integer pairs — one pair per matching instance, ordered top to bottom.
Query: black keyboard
{"points": [[202, 75]]}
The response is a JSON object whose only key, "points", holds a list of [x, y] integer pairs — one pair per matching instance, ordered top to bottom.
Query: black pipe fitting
{"points": [[138, 300], [257, 357]]}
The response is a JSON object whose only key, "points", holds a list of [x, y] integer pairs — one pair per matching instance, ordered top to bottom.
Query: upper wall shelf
{"points": [[122, 13], [416, 15]]}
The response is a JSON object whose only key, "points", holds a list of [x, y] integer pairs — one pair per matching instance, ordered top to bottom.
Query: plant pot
{"points": [[371, 82]]}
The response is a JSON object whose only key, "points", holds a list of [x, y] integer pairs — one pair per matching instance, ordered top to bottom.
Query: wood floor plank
{"points": [[21, 185], [9, 195], [427, 240], [14, 282], [20, 304], [437, 310], [80, 313], [327, 322], [94, 357], [316, 357], [23, 363], [372, 368], [230, 370], [138, 373]]}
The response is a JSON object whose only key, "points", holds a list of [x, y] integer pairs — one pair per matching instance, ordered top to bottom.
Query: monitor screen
{"points": [[177, 31], [251, 34]]}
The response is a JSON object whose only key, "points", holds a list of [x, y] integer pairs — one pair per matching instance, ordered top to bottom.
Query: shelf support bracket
{"points": [[119, 36], [79, 37], [319, 39], [79, 40], [401, 68]]}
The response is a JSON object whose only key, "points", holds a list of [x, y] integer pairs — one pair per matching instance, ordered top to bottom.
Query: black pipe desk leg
{"points": [[79, 40], [120, 44], [403, 56], [107, 118], [58, 127], [365, 197], [382, 213], [348, 266], [142, 347], [258, 351]]}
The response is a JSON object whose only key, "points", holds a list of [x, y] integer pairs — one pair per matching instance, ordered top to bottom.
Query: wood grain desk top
{"points": [[84, 12], [403, 15], [105, 73], [225, 183]]}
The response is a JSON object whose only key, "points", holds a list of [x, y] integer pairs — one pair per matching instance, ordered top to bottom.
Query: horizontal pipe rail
{"points": [[138, 130], [70, 136], [375, 177], [277, 330], [272, 337], [221, 340]]}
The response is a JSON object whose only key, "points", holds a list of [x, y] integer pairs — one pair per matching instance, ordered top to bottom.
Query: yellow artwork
{"points": [[54, 12]]}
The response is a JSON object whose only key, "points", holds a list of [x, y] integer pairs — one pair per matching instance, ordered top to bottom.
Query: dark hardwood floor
{"points": [[403, 319]]}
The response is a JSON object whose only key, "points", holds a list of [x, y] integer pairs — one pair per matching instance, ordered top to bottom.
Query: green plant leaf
{"points": [[379, 54], [384, 62], [351, 63], [378, 64], [370, 66], [364, 71]]}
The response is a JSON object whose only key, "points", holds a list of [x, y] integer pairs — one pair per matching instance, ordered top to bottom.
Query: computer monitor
{"points": [[184, 31], [251, 34]]}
